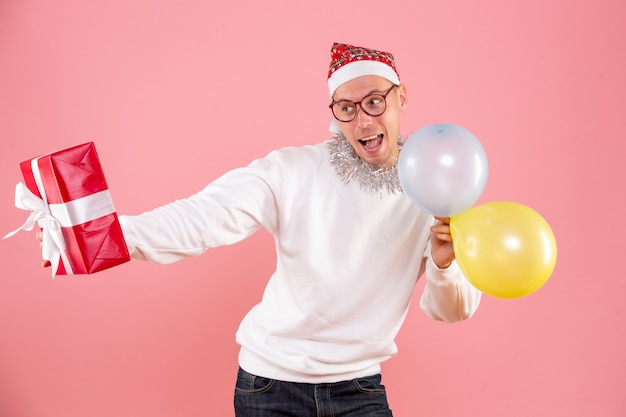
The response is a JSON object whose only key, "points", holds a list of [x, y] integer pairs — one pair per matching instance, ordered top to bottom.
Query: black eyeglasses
{"points": [[373, 105]]}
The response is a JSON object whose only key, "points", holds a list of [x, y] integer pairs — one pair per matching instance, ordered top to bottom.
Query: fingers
{"points": [[441, 230], [39, 237], [446, 237]]}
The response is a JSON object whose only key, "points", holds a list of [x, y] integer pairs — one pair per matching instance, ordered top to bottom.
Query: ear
{"points": [[402, 97]]}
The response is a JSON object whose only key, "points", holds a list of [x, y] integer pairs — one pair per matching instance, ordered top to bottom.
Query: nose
{"points": [[362, 119]]}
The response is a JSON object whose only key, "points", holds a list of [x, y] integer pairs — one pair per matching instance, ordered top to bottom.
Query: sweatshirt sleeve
{"points": [[225, 212], [448, 296]]}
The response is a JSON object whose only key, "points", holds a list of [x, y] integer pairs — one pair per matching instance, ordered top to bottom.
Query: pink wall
{"points": [[175, 93]]}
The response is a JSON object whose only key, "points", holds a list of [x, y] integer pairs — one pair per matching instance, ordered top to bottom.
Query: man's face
{"points": [[374, 138]]}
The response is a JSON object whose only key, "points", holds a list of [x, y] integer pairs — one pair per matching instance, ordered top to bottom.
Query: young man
{"points": [[350, 249]]}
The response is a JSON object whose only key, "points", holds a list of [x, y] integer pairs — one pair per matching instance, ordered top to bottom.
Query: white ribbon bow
{"points": [[53, 244]]}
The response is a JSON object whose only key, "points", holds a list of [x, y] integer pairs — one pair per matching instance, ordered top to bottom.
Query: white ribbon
{"points": [[52, 217], [53, 244]]}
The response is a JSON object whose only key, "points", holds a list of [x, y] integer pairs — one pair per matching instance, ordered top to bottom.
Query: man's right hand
{"points": [[45, 263]]}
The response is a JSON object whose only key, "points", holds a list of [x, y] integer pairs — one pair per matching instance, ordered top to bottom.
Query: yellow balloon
{"points": [[505, 249]]}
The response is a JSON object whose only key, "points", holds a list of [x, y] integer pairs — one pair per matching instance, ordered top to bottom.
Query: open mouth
{"points": [[372, 143]]}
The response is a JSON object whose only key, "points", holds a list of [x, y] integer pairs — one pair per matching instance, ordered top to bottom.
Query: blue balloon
{"points": [[443, 169]]}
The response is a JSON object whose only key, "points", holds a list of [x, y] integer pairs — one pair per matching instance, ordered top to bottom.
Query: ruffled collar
{"points": [[349, 167]]}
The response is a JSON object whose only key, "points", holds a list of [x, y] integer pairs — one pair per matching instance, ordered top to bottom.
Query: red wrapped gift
{"points": [[68, 197]]}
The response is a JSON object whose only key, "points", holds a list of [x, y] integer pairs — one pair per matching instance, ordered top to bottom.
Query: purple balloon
{"points": [[443, 169]]}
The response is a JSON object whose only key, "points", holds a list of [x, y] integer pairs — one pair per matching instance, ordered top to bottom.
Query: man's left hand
{"points": [[442, 248]]}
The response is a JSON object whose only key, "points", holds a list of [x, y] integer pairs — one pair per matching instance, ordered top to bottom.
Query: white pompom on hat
{"points": [[349, 62]]}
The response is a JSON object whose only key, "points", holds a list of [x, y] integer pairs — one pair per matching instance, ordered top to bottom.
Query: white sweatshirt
{"points": [[347, 263]]}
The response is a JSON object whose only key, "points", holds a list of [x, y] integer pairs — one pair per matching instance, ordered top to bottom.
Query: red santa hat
{"points": [[349, 62]]}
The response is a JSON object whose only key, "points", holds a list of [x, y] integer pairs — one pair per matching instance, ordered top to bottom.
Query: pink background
{"points": [[175, 93]]}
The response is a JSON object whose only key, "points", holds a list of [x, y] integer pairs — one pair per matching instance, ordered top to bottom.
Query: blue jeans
{"points": [[256, 396]]}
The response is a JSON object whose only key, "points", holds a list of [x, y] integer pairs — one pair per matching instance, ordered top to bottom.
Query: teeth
{"points": [[369, 138]]}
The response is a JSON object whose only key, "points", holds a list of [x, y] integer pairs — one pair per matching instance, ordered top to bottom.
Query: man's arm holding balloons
{"points": [[447, 295]]}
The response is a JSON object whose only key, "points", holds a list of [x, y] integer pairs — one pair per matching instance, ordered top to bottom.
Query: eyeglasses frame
{"points": [[359, 105]]}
